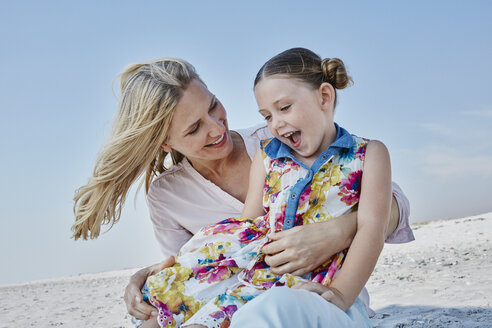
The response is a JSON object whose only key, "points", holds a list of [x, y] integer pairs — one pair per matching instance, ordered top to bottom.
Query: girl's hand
{"points": [[303, 248], [330, 294], [133, 296]]}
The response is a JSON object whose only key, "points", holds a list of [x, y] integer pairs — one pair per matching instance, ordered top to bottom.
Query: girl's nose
{"points": [[277, 122]]}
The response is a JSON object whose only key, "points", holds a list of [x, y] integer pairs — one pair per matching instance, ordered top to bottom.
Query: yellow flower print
{"points": [[329, 176], [213, 250], [263, 277], [290, 280], [168, 287]]}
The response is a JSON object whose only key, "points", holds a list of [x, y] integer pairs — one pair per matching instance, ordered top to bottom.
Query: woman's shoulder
{"points": [[257, 132], [252, 137], [168, 180]]}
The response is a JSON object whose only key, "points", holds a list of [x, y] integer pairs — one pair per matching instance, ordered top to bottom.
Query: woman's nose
{"points": [[217, 126]]}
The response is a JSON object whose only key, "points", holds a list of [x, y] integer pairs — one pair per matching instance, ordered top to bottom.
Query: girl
{"points": [[310, 172]]}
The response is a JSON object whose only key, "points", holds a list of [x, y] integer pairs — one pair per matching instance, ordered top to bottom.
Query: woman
{"points": [[166, 111]]}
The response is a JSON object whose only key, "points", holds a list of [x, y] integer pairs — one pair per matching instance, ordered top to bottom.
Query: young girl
{"points": [[310, 172]]}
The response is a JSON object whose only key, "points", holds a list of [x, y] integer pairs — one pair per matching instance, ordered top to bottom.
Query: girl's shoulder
{"points": [[360, 141], [359, 145]]}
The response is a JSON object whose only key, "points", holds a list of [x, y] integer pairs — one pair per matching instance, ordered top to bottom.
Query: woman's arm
{"points": [[253, 205], [401, 205], [289, 253]]}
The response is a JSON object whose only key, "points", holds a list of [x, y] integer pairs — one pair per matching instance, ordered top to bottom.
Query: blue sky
{"points": [[422, 85]]}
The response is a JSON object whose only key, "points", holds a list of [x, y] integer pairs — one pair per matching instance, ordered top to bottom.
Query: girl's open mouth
{"points": [[294, 138]]}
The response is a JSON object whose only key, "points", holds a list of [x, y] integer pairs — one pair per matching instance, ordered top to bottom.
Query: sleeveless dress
{"points": [[221, 267]]}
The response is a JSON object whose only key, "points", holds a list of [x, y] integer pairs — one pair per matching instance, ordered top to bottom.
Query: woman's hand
{"points": [[303, 248], [330, 294], [133, 297]]}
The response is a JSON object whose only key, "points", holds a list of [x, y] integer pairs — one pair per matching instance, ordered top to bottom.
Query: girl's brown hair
{"points": [[305, 65]]}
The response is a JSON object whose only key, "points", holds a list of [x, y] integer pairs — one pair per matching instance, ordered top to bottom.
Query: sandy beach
{"points": [[442, 279]]}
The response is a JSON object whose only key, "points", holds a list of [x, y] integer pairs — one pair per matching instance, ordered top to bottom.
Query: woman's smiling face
{"points": [[297, 114], [199, 128]]}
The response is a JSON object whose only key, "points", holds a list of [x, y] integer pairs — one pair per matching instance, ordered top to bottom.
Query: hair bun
{"points": [[334, 72]]}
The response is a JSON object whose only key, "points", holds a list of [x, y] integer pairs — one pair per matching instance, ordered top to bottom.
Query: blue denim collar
{"points": [[276, 149]]}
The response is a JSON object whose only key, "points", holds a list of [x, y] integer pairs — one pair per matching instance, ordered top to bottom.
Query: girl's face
{"points": [[298, 115], [199, 128]]}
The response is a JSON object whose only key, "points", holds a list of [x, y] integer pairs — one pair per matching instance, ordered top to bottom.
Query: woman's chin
{"points": [[218, 153]]}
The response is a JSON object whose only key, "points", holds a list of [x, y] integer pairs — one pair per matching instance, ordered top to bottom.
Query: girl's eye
{"points": [[214, 105], [284, 108], [267, 117]]}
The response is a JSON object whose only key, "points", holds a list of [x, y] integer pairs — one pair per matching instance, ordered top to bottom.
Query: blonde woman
{"points": [[173, 131]]}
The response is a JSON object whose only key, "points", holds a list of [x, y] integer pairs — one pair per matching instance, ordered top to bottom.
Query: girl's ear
{"points": [[327, 93], [166, 147]]}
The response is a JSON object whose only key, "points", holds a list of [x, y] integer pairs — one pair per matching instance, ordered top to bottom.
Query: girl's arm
{"points": [[253, 205], [372, 225]]}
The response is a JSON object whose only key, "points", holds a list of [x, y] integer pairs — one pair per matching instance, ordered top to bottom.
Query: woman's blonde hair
{"points": [[149, 94]]}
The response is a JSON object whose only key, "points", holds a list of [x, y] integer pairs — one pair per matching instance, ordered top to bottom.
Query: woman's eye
{"points": [[284, 108], [267, 117], [195, 130]]}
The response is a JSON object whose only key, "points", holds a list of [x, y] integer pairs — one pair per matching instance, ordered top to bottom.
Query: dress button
{"points": [[324, 157], [294, 196]]}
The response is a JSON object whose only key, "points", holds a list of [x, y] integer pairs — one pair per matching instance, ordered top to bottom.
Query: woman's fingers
{"points": [[278, 235], [293, 239], [280, 241], [273, 247], [304, 247], [277, 260], [288, 261], [282, 263], [282, 269], [299, 271], [312, 287], [330, 294], [334, 296], [133, 297], [136, 306], [142, 310]]}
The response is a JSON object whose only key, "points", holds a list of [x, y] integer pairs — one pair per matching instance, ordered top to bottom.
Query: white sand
{"points": [[443, 279]]}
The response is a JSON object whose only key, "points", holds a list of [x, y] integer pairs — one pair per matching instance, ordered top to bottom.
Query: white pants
{"points": [[284, 307]]}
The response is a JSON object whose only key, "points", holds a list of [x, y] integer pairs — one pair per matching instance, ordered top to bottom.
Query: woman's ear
{"points": [[327, 93], [166, 147]]}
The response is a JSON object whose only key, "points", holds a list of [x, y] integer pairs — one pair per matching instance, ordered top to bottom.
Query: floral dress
{"points": [[221, 267]]}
